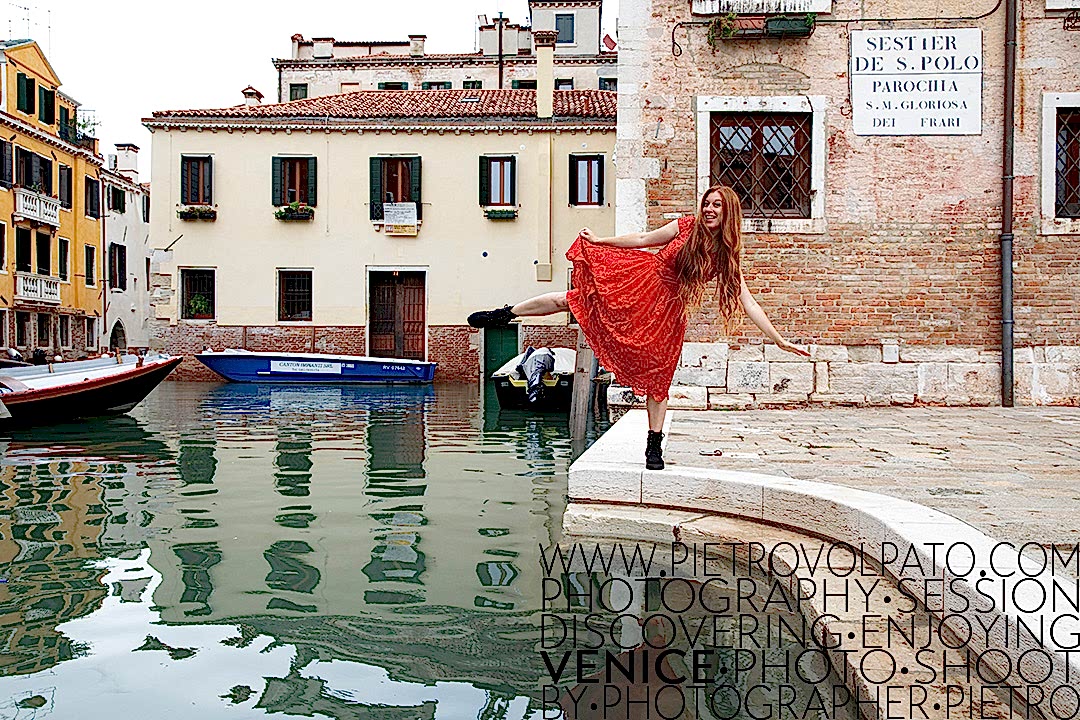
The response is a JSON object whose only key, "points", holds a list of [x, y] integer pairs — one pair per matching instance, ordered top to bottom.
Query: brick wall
{"points": [[910, 254], [548, 336], [456, 349]]}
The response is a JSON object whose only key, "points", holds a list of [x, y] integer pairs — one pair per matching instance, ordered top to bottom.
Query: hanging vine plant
{"points": [[720, 28]]}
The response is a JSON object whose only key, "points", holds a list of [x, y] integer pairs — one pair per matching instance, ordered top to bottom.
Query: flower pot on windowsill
{"points": [[796, 26], [295, 211], [197, 212], [501, 213]]}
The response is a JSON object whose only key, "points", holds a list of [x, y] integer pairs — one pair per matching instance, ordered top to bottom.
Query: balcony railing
{"points": [[70, 131], [30, 205], [37, 288]]}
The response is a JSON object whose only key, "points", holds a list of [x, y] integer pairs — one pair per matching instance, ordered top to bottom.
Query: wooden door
{"points": [[397, 314]]}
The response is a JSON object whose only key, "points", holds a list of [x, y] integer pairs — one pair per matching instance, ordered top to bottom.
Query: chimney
{"points": [[296, 40], [416, 45], [322, 48], [545, 72], [252, 96], [127, 160]]}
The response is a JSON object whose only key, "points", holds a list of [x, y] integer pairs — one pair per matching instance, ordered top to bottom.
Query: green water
{"points": [[235, 551]]}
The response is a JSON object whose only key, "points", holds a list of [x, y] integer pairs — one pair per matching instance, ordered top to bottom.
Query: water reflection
{"points": [[305, 539]]}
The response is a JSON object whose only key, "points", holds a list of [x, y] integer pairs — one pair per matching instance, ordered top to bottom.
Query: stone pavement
{"points": [[1012, 473]]}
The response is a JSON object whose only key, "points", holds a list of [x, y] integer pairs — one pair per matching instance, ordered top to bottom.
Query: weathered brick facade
{"points": [[908, 250], [548, 336]]}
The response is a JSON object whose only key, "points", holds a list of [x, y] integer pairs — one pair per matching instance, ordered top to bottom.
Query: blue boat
{"points": [[303, 368]]}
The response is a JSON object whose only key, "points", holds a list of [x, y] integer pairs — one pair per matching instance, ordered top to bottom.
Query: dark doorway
{"points": [[396, 312], [118, 337]]}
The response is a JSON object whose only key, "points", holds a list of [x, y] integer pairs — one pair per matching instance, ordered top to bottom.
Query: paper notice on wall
{"points": [[916, 82], [399, 218]]}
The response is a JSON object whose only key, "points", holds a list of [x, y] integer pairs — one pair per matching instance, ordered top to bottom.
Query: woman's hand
{"points": [[589, 236], [788, 347]]}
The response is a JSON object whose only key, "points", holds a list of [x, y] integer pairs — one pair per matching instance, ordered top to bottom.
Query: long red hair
{"points": [[707, 254]]}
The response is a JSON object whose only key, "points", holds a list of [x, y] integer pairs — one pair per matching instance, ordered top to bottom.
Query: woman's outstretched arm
{"points": [[660, 236], [759, 318]]}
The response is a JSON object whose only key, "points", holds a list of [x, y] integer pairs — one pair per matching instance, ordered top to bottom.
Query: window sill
{"points": [[784, 226], [1060, 226]]}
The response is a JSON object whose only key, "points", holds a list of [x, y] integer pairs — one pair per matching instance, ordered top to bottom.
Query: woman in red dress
{"points": [[632, 305]]}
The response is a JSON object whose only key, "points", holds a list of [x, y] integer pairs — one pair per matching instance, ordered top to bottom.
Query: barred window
{"points": [[766, 159], [1067, 185], [197, 290], [294, 290]]}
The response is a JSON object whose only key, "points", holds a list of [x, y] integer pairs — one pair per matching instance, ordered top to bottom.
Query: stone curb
{"points": [[871, 522]]}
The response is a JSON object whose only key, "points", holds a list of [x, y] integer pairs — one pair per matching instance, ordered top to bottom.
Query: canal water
{"points": [[240, 550], [235, 551]]}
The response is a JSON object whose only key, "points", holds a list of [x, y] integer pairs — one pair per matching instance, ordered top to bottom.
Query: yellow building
{"points": [[51, 289]]}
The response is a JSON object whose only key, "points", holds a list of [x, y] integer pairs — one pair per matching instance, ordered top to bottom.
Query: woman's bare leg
{"points": [[547, 304], [657, 411]]}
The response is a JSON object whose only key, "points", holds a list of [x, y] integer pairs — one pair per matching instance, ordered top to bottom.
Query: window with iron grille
{"points": [[766, 158], [1067, 167], [197, 294], [294, 295], [22, 329], [44, 330], [65, 331]]}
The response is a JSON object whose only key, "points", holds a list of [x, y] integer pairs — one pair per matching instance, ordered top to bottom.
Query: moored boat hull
{"points": [[303, 368], [110, 395]]}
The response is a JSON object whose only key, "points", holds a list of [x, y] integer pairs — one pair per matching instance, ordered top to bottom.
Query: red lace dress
{"points": [[627, 303]]}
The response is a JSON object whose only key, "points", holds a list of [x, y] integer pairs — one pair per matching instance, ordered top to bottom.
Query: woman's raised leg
{"points": [[547, 304]]}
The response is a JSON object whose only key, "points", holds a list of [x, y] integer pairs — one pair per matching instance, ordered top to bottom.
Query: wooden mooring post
{"points": [[581, 399]]}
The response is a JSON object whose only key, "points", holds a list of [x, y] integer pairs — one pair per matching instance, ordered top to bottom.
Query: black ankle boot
{"points": [[492, 318], [654, 456]]}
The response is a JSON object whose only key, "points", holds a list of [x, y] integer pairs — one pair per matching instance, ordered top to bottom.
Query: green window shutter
{"points": [[515, 84], [425, 85], [382, 86], [404, 86], [31, 95], [20, 102], [42, 109], [600, 179], [485, 180], [513, 180], [573, 180], [185, 181], [208, 182], [312, 184], [414, 185], [376, 192], [276, 197]]}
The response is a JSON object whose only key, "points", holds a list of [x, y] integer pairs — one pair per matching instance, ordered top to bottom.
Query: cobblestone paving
{"points": [[1012, 473]]}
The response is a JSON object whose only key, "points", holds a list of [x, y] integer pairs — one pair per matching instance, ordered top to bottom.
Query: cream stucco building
{"points": [[504, 57], [500, 183], [126, 247]]}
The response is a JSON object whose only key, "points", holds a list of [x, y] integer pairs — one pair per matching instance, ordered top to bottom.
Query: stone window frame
{"points": [[816, 105], [1051, 224]]}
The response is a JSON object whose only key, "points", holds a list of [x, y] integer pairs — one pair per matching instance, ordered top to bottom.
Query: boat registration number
{"points": [[305, 366]]}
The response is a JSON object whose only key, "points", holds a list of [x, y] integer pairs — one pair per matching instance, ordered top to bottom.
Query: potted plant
{"points": [[790, 25], [722, 27], [295, 211], [197, 212], [500, 213], [198, 308]]}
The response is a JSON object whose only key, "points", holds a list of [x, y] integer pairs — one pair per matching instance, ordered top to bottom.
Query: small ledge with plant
{"points": [[731, 26], [295, 211], [197, 212], [501, 213]]}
